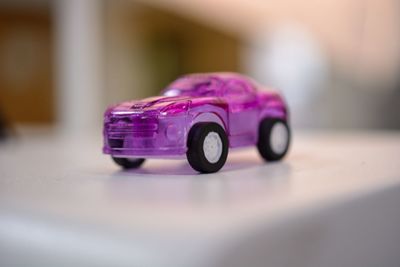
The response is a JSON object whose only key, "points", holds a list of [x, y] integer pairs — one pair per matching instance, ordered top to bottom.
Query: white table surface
{"points": [[334, 201]]}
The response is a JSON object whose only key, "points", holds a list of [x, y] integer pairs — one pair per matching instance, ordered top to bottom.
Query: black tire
{"points": [[265, 146], [196, 154], [128, 163]]}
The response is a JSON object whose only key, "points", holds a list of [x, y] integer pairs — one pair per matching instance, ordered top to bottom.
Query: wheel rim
{"points": [[279, 138], [212, 147]]}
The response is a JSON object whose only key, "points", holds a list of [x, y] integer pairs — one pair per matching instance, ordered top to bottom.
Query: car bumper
{"points": [[145, 137], [146, 153]]}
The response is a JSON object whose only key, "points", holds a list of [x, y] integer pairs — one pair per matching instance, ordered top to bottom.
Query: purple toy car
{"points": [[198, 116]]}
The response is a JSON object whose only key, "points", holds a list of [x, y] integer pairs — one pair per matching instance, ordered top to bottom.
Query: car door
{"points": [[243, 111]]}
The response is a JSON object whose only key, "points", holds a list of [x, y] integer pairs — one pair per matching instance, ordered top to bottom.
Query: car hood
{"points": [[148, 105]]}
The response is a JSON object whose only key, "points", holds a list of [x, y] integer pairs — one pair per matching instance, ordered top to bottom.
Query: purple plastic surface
{"points": [[158, 126]]}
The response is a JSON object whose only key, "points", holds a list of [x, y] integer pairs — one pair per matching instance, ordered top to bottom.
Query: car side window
{"points": [[234, 89], [238, 92]]}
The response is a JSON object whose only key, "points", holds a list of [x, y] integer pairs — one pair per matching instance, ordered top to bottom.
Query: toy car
{"points": [[199, 116]]}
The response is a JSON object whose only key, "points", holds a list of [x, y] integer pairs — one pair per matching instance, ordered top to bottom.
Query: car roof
{"points": [[217, 81]]}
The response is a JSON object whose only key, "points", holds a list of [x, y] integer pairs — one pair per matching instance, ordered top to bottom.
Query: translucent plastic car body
{"points": [[159, 126]]}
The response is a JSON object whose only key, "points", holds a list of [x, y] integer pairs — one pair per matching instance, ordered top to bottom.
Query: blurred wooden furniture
{"points": [[26, 66]]}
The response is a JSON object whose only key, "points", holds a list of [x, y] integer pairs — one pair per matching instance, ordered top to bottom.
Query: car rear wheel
{"points": [[274, 139], [207, 147], [129, 163]]}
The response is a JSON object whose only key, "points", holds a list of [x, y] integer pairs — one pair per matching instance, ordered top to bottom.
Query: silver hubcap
{"points": [[279, 138], [212, 147]]}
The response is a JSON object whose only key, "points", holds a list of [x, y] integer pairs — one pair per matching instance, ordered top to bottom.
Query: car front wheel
{"points": [[274, 139], [207, 147], [129, 163]]}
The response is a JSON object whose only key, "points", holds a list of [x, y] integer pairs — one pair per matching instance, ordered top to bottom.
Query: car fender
{"points": [[272, 106], [275, 113], [213, 114]]}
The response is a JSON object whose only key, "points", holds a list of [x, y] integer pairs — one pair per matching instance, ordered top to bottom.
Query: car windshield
{"points": [[192, 86]]}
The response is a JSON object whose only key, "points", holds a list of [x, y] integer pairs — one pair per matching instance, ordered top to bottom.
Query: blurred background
{"points": [[63, 61]]}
